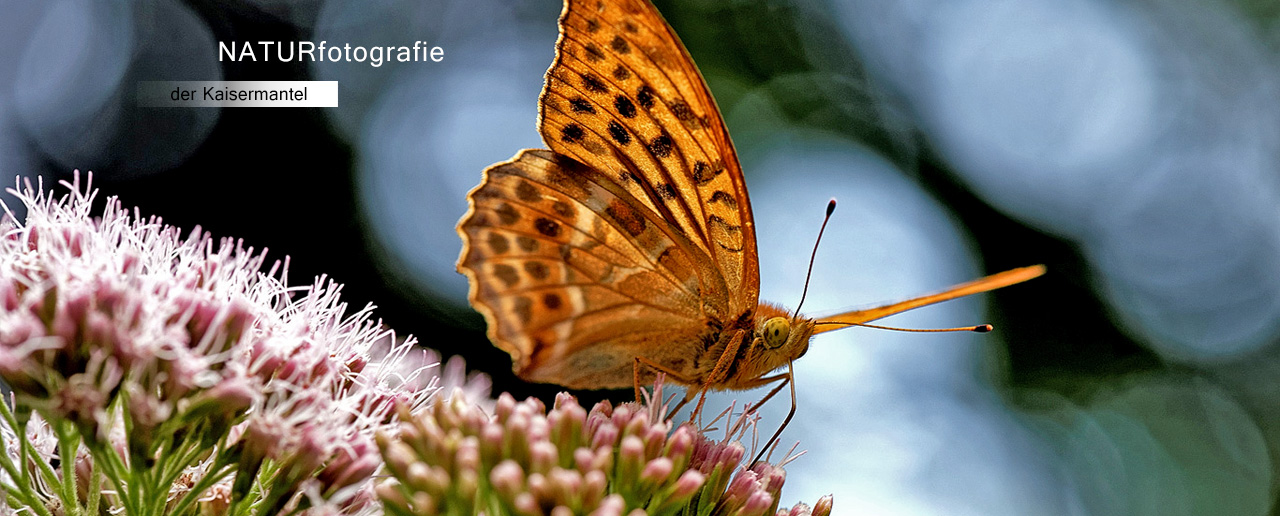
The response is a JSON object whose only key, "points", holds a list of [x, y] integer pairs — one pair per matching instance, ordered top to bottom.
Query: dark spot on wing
{"points": [[593, 25], [629, 27], [620, 45], [593, 53], [621, 73], [592, 83], [644, 96], [581, 105], [624, 106], [681, 111], [572, 133], [619, 133], [661, 146], [701, 173], [704, 173], [666, 191], [526, 192], [722, 196], [563, 209], [507, 215], [547, 227], [498, 243], [527, 244], [537, 270], [506, 273], [551, 301]]}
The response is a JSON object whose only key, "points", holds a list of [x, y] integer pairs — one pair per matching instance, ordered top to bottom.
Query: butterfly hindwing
{"points": [[624, 97], [572, 279]]}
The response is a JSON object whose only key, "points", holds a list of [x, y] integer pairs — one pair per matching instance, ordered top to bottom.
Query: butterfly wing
{"points": [[624, 97], [574, 278]]}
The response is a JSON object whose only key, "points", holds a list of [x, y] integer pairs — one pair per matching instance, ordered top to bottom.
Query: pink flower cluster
{"points": [[190, 375], [456, 459]]}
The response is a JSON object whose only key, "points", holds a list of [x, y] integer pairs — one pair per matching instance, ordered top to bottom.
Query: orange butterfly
{"points": [[629, 247]]}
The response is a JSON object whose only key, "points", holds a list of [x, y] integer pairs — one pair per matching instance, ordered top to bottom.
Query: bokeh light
{"points": [[75, 84], [1141, 132]]}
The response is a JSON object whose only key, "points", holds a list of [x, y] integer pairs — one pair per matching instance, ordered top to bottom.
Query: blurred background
{"points": [[1130, 145]]}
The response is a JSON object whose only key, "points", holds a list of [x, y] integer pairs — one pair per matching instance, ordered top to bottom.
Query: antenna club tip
{"points": [[831, 206], [983, 328]]}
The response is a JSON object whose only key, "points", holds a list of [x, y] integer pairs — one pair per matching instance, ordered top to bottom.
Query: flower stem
{"points": [[68, 450], [114, 470], [95, 490]]}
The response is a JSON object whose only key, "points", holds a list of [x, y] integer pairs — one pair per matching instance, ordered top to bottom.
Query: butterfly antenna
{"points": [[831, 208]]}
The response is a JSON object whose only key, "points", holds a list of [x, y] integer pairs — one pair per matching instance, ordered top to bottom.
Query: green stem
{"points": [[68, 448], [113, 469], [95, 491], [133, 493], [34, 505]]}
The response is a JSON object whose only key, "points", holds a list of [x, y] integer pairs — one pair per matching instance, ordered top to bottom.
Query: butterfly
{"points": [[628, 248]]}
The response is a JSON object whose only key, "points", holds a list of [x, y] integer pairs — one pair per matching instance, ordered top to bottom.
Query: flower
{"points": [[180, 374], [457, 459]]}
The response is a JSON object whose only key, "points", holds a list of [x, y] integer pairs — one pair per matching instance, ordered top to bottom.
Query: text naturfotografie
{"points": [[287, 51]]}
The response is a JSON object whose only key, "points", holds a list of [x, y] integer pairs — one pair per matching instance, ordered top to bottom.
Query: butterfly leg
{"points": [[721, 369], [635, 372], [787, 379]]}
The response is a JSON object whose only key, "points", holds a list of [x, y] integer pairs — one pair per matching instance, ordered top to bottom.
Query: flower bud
{"points": [[606, 436], [542, 456], [630, 460], [656, 471], [507, 479], [613, 505], [756, 505], [823, 507]]}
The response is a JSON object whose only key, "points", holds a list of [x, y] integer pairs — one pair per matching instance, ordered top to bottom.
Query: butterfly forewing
{"points": [[624, 98], [573, 278]]}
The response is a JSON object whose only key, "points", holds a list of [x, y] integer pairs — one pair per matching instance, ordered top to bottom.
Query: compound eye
{"points": [[775, 332]]}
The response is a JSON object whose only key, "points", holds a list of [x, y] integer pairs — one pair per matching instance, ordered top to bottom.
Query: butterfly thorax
{"points": [[772, 338]]}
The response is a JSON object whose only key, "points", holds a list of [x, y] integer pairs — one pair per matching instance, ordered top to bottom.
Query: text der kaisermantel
{"points": [[224, 93]]}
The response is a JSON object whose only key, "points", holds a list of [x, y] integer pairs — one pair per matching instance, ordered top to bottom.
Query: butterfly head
{"points": [[780, 335]]}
